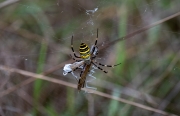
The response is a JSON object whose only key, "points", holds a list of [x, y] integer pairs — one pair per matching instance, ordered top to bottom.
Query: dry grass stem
{"points": [[38, 76]]}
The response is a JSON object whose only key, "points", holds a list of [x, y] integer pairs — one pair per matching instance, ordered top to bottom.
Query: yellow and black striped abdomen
{"points": [[84, 51]]}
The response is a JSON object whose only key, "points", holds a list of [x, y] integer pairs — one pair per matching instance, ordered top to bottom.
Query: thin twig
{"points": [[7, 3], [140, 30], [31, 36], [33, 75], [30, 80]]}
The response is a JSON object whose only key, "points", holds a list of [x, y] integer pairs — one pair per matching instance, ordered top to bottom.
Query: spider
{"points": [[88, 56]]}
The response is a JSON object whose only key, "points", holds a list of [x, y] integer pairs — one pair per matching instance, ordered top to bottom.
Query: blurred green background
{"points": [[35, 35]]}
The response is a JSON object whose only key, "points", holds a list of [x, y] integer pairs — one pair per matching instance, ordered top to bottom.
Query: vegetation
{"points": [[142, 35]]}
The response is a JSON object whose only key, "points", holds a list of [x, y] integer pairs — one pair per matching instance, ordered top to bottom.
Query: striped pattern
{"points": [[84, 51], [107, 65]]}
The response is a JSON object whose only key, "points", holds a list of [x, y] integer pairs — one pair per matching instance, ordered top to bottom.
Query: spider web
{"points": [[52, 25], [88, 26]]}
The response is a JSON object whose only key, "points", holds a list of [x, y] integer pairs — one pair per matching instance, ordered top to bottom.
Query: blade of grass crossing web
{"points": [[38, 13], [153, 35], [153, 38], [43, 46], [120, 47], [120, 58], [40, 67], [38, 82], [70, 101], [114, 105], [125, 110], [51, 111]]}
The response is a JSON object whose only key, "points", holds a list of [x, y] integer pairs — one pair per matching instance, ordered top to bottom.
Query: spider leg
{"points": [[95, 43], [73, 48], [94, 55], [75, 59], [107, 65], [99, 67], [76, 69], [82, 69], [73, 70], [81, 73], [74, 74], [80, 76], [93, 78], [86, 85], [90, 87]]}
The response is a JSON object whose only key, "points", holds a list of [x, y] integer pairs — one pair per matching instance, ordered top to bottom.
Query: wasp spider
{"points": [[88, 56]]}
